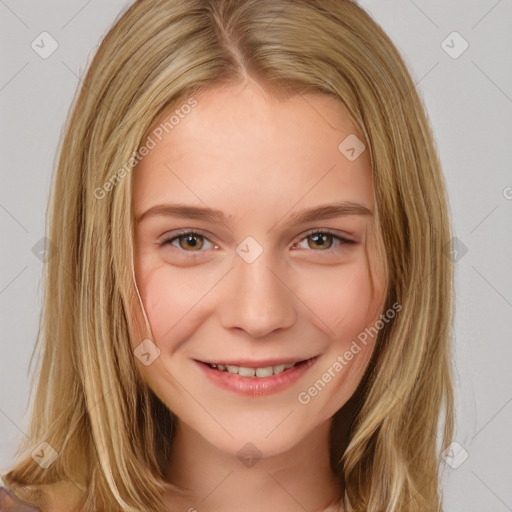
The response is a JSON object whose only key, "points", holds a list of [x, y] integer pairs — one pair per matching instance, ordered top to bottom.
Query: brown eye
{"points": [[191, 241], [320, 241], [324, 241], [188, 242]]}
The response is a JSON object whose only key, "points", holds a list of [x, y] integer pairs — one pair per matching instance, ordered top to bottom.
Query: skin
{"points": [[259, 160]]}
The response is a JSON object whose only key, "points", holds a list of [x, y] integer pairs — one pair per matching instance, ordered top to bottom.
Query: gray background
{"points": [[469, 100]]}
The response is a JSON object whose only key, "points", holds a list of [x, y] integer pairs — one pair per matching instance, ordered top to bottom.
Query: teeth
{"points": [[278, 369], [243, 371], [268, 371], [246, 372]]}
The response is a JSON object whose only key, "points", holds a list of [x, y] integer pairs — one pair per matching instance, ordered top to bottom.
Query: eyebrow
{"points": [[340, 209]]}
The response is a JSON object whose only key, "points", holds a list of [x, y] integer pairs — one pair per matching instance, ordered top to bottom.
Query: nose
{"points": [[257, 300]]}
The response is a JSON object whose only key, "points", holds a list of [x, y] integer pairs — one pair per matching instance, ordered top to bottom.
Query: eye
{"points": [[318, 240], [188, 241], [324, 241]]}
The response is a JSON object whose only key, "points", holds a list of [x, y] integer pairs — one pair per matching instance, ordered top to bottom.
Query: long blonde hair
{"points": [[112, 435]]}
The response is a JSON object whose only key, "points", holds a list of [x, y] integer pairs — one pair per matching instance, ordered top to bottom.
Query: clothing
{"points": [[9, 502]]}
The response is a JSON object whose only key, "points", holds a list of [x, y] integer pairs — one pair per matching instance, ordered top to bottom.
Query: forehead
{"points": [[241, 145]]}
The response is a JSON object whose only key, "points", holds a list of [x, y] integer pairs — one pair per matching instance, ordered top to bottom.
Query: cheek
{"points": [[171, 297], [342, 301], [348, 307]]}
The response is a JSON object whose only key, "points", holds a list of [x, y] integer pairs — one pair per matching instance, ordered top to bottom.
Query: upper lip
{"points": [[261, 363]]}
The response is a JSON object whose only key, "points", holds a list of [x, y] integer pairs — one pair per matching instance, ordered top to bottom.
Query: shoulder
{"points": [[16, 497], [57, 497], [61, 497], [11, 502]]}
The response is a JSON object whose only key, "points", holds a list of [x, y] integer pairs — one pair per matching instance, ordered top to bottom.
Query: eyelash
{"points": [[192, 254]]}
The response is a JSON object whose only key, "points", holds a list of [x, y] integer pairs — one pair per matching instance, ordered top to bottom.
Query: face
{"points": [[252, 229]]}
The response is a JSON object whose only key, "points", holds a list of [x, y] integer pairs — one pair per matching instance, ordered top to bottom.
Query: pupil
{"points": [[319, 239], [191, 241]]}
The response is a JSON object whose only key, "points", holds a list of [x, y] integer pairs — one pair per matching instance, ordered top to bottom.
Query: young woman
{"points": [[250, 306]]}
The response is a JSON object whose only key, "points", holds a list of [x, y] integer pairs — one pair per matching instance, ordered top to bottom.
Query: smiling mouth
{"points": [[263, 372]]}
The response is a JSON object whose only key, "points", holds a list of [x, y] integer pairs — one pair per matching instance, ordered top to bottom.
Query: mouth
{"points": [[253, 371], [256, 378]]}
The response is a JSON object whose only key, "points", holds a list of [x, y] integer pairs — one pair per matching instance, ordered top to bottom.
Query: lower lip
{"points": [[256, 386]]}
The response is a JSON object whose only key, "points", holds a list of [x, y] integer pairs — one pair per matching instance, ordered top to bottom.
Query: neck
{"points": [[305, 478], [297, 480]]}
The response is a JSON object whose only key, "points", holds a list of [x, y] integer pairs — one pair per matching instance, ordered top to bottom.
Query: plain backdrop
{"points": [[459, 55]]}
